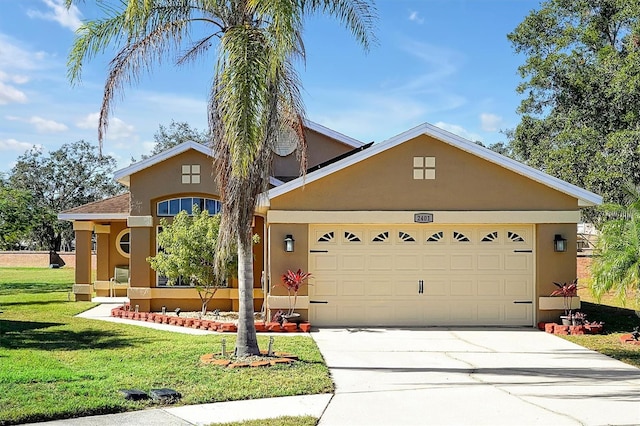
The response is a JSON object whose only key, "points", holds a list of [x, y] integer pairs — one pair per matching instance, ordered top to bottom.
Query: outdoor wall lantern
{"points": [[289, 243], [559, 243]]}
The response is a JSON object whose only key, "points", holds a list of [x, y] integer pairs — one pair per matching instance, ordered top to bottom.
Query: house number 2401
{"points": [[423, 217]]}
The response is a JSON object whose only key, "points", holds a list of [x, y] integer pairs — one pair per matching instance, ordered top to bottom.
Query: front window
{"points": [[170, 208]]}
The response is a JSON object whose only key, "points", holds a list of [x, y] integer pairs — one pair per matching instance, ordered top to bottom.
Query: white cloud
{"points": [[58, 12], [415, 17], [14, 57], [439, 65], [13, 78], [9, 94], [89, 122], [490, 122], [47, 126], [117, 129], [459, 130], [14, 145]]}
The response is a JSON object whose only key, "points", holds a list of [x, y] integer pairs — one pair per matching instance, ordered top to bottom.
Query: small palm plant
{"points": [[616, 266], [293, 281]]}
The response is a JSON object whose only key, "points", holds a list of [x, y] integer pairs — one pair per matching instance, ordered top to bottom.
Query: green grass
{"points": [[35, 280], [618, 318], [56, 366], [280, 421]]}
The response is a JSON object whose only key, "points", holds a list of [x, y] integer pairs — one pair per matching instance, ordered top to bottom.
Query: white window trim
{"points": [[118, 238]]}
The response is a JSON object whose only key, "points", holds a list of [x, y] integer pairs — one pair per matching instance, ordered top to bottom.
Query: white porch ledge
{"points": [[282, 302], [552, 303]]}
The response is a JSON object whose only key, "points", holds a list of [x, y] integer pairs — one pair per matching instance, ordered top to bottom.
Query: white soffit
{"points": [[332, 134], [585, 198], [93, 216]]}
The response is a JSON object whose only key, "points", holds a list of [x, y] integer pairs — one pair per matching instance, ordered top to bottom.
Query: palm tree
{"points": [[255, 92], [616, 266]]}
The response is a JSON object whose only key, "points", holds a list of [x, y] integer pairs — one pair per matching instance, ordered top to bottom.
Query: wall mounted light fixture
{"points": [[289, 243], [559, 243]]}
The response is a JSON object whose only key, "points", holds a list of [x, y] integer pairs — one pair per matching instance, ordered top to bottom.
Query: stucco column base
{"points": [[82, 292], [140, 296]]}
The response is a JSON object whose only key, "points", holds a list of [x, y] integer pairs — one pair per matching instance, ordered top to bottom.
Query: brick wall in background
{"points": [[37, 259], [583, 267]]}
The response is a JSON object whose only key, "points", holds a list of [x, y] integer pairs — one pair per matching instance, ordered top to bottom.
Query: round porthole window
{"points": [[123, 242]]}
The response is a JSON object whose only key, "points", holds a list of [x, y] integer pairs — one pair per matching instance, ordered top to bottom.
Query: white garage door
{"points": [[421, 275]]}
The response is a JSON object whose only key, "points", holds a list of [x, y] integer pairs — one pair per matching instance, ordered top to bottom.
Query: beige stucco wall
{"points": [[320, 148], [164, 180], [463, 182], [281, 261], [554, 266]]}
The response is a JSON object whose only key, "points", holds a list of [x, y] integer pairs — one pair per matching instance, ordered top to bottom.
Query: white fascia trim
{"points": [[332, 134], [122, 175], [275, 182], [585, 198], [93, 216]]}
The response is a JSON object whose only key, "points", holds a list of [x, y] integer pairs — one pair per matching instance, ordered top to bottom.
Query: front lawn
{"points": [[618, 319], [55, 365]]}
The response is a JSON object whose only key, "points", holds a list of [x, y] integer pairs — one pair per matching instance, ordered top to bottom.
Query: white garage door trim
{"points": [[421, 275]]}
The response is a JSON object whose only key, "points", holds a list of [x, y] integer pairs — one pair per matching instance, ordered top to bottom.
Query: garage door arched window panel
{"points": [[173, 206], [327, 237], [351, 237], [382, 237], [405, 237], [436, 237], [460, 237], [491, 237], [515, 237], [123, 243]]}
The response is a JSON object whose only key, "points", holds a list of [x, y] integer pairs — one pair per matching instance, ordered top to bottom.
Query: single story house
{"points": [[425, 228]]}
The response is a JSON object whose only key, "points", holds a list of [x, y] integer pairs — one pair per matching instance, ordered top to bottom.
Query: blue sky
{"points": [[444, 62]]}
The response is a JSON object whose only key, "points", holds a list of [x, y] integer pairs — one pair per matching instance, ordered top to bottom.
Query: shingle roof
{"points": [[118, 207]]}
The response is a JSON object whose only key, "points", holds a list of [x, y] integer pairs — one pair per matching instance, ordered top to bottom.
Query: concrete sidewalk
{"points": [[205, 414]]}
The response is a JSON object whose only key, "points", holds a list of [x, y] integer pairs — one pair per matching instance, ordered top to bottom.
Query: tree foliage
{"points": [[581, 110], [177, 133], [68, 177], [17, 216], [188, 252]]}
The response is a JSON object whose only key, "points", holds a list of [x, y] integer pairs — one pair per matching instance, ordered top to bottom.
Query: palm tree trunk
{"points": [[247, 341]]}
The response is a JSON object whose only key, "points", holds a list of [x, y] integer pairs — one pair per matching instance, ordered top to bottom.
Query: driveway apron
{"points": [[473, 376]]}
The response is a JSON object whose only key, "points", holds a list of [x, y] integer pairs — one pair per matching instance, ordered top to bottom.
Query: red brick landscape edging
{"points": [[201, 324], [574, 330]]}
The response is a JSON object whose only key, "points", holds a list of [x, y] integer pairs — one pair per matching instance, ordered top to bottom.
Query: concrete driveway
{"points": [[472, 376]]}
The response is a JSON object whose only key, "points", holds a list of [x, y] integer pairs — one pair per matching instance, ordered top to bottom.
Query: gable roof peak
{"points": [[122, 176], [585, 198]]}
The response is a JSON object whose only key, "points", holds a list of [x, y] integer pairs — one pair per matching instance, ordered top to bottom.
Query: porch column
{"points": [[103, 266], [83, 288], [139, 292]]}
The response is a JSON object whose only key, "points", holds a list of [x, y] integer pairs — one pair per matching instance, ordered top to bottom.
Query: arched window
{"points": [[173, 206]]}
